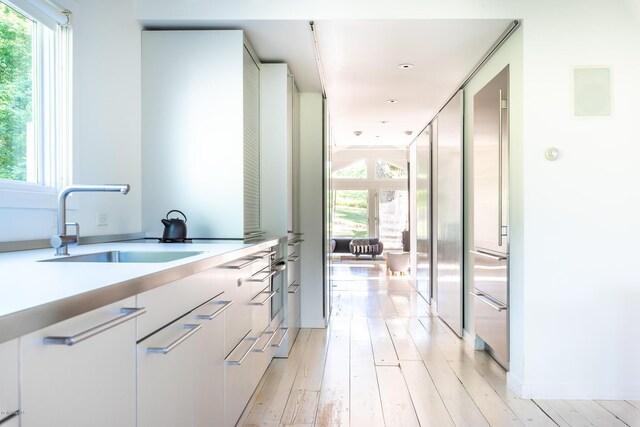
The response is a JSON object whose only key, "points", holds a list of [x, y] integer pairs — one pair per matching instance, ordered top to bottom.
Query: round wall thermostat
{"points": [[551, 154]]}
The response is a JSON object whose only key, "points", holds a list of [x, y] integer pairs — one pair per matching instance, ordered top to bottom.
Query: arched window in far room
{"points": [[357, 170], [386, 170]]}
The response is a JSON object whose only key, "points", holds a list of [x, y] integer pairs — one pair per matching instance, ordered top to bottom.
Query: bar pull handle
{"points": [[295, 242], [264, 254], [490, 256], [293, 258], [240, 266], [262, 276], [296, 287], [271, 294], [485, 299], [224, 305], [129, 313], [192, 329], [284, 335], [268, 344], [244, 356]]}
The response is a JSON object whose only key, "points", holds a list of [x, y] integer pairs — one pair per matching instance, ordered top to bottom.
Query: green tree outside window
{"points": [[16, 86]]}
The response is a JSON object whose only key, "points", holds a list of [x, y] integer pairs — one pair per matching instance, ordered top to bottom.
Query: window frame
{"points": [[52, 108]]}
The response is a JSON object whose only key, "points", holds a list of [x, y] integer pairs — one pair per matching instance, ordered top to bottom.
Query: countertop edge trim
{"points": [[23, 322]]}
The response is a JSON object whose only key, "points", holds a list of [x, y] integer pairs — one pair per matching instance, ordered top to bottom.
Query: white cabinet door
{"points": [[166, 368], [81, 372], [9, 375], [209, 408]]}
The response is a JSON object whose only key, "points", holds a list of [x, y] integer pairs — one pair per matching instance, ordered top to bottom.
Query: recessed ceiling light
{"points": [[405, 66], [392, 101], [384, 122], [357, 132], [408, 132]]}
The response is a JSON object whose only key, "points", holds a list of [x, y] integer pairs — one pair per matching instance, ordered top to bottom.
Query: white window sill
{"points": [[21, 195]]}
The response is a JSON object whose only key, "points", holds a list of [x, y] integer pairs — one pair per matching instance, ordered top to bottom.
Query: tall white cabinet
{"points": [[201, 132], [280, 149], [280, 189]]}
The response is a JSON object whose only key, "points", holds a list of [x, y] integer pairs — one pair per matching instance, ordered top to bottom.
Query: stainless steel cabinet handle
{"points": [[295, 242], [264, 254], [491, 256], [293, 258], [240, 266], [256, 277], [294, 285], [271, 294], [490, 303], [224, 304], [129, 313], [192, 329], [284, 335], [268, 344], [244, 356]]}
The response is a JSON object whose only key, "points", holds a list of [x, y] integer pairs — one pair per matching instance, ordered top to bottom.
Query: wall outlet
{"points": [[102, 219]]}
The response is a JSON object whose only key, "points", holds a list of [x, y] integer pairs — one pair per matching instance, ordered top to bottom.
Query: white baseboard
{"points": [[514, 383], [573, 391], [579, 391]]}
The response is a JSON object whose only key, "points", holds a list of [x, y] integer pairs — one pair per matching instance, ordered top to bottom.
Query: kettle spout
{"points": [[166, 222]]}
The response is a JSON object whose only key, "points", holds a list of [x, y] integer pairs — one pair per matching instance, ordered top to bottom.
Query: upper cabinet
{"points": [[201, 132], [280, 148]]}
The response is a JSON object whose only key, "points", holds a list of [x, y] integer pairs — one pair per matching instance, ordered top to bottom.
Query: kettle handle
{"points": [[180, 212]]}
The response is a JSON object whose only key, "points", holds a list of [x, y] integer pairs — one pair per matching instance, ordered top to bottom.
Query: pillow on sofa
{"points": [[371, 241]]}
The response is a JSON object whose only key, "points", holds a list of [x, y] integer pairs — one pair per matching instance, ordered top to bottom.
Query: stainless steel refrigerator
{"points": [[490, 252]]}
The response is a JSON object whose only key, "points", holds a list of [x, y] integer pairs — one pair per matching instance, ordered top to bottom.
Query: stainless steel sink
{"points": [[126, 256]]}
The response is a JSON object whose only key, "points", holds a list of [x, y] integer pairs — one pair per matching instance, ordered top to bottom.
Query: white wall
{"points": [[106, 114], [311, 218], [581, 292]]}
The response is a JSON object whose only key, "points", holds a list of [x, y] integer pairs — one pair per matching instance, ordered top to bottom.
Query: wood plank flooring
{"points": [[385, 360]]}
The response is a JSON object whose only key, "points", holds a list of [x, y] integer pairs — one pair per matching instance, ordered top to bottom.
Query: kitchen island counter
{"points": [[39, 294]]}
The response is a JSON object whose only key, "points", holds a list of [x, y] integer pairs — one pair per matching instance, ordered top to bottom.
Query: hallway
{"points": [[386, 361]]}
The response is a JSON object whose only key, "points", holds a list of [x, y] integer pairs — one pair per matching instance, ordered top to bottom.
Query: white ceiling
{"points": [[360, 61]]}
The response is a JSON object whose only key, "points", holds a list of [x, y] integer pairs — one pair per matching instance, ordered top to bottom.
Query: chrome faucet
{"points": [[62, 241]]}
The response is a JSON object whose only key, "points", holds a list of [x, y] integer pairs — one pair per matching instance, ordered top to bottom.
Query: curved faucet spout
{"points": [[61, 241]]}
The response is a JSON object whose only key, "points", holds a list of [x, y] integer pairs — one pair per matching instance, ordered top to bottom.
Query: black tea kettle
{"points": [[175, 229]]}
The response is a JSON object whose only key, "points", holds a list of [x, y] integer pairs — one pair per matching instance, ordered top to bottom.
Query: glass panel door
{"points": [[350, 213], [392, 217]]}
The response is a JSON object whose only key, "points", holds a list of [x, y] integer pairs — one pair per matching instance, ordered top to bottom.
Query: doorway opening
{"points": [[369, 209]]}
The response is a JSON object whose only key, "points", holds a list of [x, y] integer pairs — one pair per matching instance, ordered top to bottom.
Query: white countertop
{"points": [[33, 289]]}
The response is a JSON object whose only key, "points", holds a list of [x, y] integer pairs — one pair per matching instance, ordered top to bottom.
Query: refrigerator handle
{"points": [[500, 168], [485, 299]]}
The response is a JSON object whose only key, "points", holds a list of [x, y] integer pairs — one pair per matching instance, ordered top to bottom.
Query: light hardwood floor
{"points": [[385, 360]]}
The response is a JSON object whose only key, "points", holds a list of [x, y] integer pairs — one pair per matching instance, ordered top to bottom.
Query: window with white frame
{"points": [[35, 101]]}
